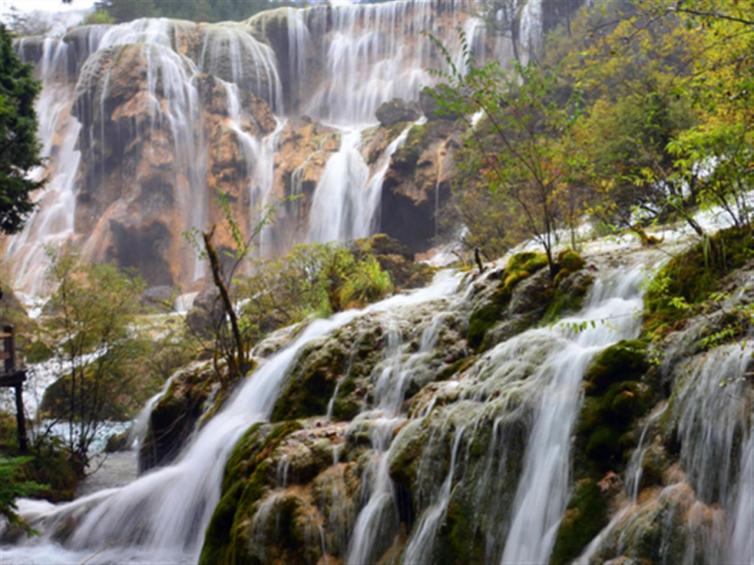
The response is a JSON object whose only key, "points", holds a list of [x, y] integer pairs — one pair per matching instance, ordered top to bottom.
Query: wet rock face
{"points": [[140, 164], [418, 183], [176, 414], [294, 488]]}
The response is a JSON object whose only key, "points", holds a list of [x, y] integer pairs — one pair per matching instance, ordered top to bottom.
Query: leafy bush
{"points": [[99, 17], [693, 277], [312, 280], [12, 486]]}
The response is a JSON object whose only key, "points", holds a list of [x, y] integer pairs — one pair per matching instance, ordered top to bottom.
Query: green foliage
{"points": [[99, 17], [636, 113], [19, 151], [511, 158], [312, 280], [688, 280], [366, 284], [89, 331], [12, 486]]}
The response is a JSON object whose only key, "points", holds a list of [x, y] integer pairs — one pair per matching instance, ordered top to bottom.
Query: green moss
{"points": [[528, 261], [570, 261], [520, 267], [691, 278], [562, 303], [486, 316], [625, 360], [311, 385], [615, 397], [345, 409], [604, 422], [247, 475], [585, 516], [459, 541]]}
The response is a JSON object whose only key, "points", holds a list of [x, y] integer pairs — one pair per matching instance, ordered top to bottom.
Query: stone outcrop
{"points": [[396, 111], [418, 183], [176, 414], [294, 487]]}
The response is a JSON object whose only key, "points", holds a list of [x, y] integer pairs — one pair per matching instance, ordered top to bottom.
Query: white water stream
{"points": [[368, 53]]}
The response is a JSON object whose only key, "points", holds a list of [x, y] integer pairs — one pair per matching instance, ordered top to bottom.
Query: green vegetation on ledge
{"points": [[688, 280]]}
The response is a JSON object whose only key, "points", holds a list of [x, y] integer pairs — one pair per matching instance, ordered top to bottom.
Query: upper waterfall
{"points": [[145, 122]]}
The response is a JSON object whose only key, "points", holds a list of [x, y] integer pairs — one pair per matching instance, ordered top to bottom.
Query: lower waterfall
{"points": [[498, 434], [163, 514]]}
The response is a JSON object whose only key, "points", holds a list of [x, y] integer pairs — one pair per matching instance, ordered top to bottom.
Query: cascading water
{"points": [[336, 64], [346, 201], [53, 223], [614, 307], [708, 507], [162, 515]]}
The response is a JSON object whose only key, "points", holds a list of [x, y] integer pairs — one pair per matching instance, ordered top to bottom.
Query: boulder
{"points": [[396, 111], [206, 313], [176, 414]]}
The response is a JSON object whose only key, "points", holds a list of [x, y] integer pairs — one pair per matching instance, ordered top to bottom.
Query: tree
{"points": [[127, 10], [668, 125], [19, 148], [515, 149], [90, 332]]}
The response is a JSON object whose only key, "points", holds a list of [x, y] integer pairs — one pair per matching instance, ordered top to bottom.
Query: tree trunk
{"points": [[238, 361]]}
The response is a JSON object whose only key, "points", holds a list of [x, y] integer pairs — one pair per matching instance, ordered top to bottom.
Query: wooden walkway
{"points": [[13, 377]]}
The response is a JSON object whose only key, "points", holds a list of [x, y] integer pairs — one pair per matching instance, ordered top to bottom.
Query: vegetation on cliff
{"points": [[637, 113]]}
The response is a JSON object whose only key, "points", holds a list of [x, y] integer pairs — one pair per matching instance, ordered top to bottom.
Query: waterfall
{"points": [[337, 64], [340, 64], [346, 200], [53, 222], [542, 493], [709, 506], [163, 514], [379, 515], [419, 549]]}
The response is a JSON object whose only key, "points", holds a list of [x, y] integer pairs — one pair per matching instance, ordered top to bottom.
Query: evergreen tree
{"points": [[19, 148]]}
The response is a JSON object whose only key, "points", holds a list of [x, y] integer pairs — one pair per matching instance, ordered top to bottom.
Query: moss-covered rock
{"points": [[569, 261], [572, 284], [681, 287], [490, 311], [623, 361], [334, 369], [615, 397], [176, 414], [248, 473], [279, 489], [585, 516], [664, 528], [460, 539]]}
